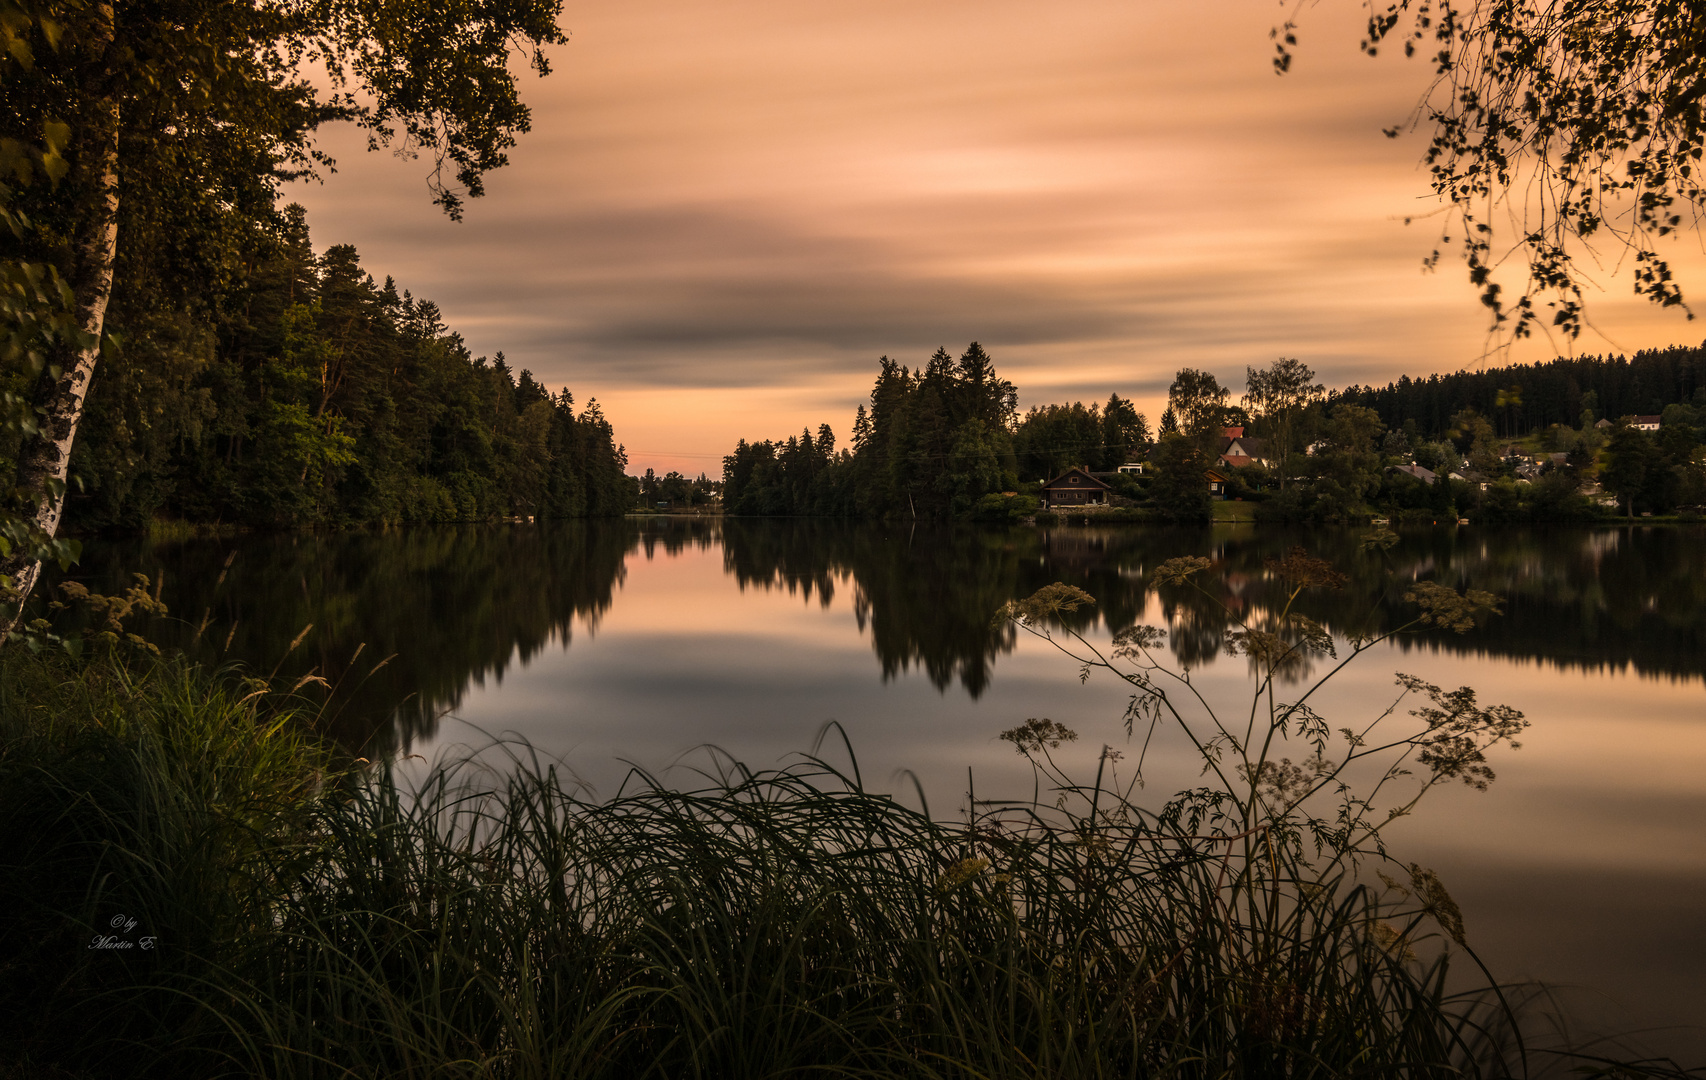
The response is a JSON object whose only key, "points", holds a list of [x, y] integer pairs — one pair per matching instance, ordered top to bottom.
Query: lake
{"points": [[638, 643]]}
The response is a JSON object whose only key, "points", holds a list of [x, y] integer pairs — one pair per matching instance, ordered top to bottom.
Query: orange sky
{"points": [[725, 213]]}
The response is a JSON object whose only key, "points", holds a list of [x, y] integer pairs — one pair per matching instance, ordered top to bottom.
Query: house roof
{"points": [[1654, 420], [1246, 445], [1237, 461], [1426, 476], [1086, 481]]}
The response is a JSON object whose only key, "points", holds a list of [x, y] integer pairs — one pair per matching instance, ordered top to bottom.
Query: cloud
{"points": [[754, 200]]}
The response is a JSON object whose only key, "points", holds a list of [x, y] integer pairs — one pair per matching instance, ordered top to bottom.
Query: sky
{"points": [[725, 214]]}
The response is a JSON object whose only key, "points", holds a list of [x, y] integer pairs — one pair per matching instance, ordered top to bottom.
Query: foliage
{"points": [[232, 94], [1579, 124], [172, 125], [37, 314], [1554, 392], [318, 396], [1277, 396], [1198, 401], [1053, 438], [941, 442], [933, 444], [1335, 458], [1179, 489], [677, 490], [136, 786], [1284, 830], [321, 921], [307, 923]]}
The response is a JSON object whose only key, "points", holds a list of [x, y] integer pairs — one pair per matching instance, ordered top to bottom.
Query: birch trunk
{"points": [[45, 459]]}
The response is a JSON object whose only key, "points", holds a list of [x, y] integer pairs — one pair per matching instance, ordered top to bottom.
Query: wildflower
{"points": [[1036, 734], [960, 873]]}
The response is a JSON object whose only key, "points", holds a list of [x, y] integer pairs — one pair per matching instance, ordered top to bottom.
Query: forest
{"points": [[303, 392], [1532, 397], [943, 441], [1545, 442]]}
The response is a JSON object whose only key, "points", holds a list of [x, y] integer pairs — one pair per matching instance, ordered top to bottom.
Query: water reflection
{"points": [[1576, 598], [442, 608], [403, 621], [1583, 864]]}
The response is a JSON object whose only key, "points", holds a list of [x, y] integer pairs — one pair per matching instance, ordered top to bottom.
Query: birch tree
{"points": [[185, 116]]}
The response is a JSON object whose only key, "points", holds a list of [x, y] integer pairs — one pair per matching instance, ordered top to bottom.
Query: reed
{"points": [[317, 921]]}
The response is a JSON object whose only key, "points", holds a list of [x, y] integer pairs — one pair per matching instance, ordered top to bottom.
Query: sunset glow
{"points": [[725, 214]]}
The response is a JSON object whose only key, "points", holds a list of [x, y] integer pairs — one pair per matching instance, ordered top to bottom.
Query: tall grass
{"points": [[145, 789], [313, 922], [791, 923]]}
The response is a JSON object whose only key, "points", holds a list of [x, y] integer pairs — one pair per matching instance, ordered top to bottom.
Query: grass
{"points": [[1230, 510], [313, 921]]}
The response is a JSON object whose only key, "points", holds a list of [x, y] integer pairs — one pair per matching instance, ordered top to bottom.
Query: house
{"points": [[1644, 423], [1603, 425], [1236, 450], [1132, 468], [1426, 476], [1216, 484], [1074, 487]]}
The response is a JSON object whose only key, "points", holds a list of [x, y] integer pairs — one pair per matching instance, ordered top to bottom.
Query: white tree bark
{"points": [[45, 460]]}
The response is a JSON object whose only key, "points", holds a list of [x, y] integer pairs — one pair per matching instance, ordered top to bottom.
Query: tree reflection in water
{"points": [[1604, 598], [454, 606], [431, 610]]}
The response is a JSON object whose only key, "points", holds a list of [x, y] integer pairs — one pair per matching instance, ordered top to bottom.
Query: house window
{"points": [[1074, 480]]}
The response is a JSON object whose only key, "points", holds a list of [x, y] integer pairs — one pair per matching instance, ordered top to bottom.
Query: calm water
{"points": [[617, 643]]}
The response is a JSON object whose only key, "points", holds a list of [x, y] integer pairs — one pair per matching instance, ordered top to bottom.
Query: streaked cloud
{"points": [[727, 212]]}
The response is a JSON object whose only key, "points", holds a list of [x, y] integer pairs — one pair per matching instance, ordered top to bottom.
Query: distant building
{"points": [[1645, 423], [1237, 450], [1426, 476], [1216, 484], [1074, 487]]}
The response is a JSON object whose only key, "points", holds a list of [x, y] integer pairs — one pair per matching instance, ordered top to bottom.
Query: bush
{"points": [[1010, 509]]}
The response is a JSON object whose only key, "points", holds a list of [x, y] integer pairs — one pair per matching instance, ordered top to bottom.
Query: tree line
{"points": [[143, 147], [311, 394], [1526, 398], [943, 441], [947, 442]]}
